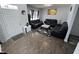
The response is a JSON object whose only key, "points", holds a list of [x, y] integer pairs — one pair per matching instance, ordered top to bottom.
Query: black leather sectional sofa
{"points": [[51, 22], [35, 23], [57, 30], [60, 30]]}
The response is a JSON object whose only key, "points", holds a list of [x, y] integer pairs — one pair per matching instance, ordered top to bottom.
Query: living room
{"points": [[58, 16], [40, 28]]}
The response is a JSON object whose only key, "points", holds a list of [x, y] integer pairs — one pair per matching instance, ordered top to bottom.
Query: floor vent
{"points": [[73, 39]]}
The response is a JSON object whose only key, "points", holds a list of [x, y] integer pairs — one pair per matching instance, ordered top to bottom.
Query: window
{"points": [[34, 14]]}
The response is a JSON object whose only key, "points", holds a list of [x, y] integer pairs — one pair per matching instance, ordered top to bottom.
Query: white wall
{"points": [[31, 7], [62, 13], [23, 18], [70, 20], [12, 22], [75, 27], [1, 33]]}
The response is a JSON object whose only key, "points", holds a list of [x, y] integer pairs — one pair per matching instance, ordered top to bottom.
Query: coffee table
{"points": [[44, 31]]}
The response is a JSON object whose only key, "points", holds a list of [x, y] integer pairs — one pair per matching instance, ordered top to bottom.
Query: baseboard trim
{"points": [[74, 35]]}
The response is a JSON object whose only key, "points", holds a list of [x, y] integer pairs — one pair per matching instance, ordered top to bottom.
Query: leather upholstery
{"points": [[51, 22], [35, 23], [60, 30]]}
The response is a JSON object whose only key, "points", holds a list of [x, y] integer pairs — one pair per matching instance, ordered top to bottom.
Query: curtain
{"points": [[34, 14]]}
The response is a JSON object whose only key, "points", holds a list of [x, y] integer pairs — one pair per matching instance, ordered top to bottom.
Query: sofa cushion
{"points": [[51, 22], [36, 23], [63, 27], [60, 30]]}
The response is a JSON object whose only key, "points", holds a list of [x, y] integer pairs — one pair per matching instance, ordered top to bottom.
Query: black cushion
{"points": [[51, 22], [35, 23], [64, 26], [60, 30]]}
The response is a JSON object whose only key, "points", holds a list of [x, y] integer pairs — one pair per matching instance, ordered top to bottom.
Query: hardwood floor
{"points": [[36, 43]]}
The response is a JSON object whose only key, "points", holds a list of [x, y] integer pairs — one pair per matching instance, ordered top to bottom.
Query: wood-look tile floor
{"points": [[36, 43]]}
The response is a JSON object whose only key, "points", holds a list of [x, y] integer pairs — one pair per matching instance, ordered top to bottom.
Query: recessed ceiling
{"points": [[47, 5]]}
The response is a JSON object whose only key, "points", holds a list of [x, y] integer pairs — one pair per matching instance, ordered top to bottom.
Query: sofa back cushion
{"points": [[35, 21], [51, 22], [64, 27]]}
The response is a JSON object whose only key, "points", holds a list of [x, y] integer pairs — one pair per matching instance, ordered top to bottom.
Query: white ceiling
{"points": [[38, 5], [43, 5]]}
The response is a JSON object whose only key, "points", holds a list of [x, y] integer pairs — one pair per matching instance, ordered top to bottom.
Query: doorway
{"points": [[74, 34]]}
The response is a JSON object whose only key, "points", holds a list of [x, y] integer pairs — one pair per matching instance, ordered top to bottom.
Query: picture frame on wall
{"points": [[52, 11]]}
